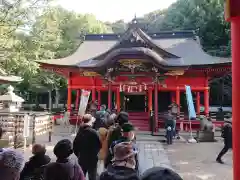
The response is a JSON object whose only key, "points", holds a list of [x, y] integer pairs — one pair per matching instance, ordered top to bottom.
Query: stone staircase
{"points": [[140, 120]]}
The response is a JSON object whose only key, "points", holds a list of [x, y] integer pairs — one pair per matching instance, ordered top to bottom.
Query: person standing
{"points": [[101, 118], [169, 126], [114, 134], [227, 136], [86, 147], [11, 164], [123, 164], [35, 166], [64, 168]]}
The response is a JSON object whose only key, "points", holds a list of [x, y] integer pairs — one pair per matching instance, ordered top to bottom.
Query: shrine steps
{"points": [[140, 120]]}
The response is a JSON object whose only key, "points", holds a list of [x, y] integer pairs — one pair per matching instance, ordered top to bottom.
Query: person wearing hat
{"points": [[115, 132], [127, 135], [227, 136], [86, 147], [123, 163], [11, 164], [35, 164], [64, 168], [160, 173]]}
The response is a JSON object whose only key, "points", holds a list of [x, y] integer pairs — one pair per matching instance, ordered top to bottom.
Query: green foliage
{"points": [[53, 33]]}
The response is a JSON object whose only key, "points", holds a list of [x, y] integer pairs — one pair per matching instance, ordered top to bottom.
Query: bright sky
{"points": [[112, 10]]}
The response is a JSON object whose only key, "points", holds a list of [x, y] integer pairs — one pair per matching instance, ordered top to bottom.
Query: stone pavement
{"points": [[151, 152], [191, 161], [197, 161]]}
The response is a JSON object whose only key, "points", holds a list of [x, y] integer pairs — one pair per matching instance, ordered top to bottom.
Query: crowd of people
{"points": [[107, 138]]}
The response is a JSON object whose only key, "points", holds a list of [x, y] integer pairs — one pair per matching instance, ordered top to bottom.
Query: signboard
{"points": [[231, 8], [83, 102], [191, 109], [26, 125]]}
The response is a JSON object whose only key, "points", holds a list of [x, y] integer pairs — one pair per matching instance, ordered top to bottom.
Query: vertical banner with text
{"points": [[83, 102], [191, 109]]}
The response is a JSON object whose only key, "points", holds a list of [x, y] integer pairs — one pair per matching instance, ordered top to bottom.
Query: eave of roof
{"points": [[183, 44]]}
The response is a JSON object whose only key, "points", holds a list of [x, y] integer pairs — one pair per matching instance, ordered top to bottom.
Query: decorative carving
{"points": [[131, 63], [154, 69], [90, 73], [175, 73]]}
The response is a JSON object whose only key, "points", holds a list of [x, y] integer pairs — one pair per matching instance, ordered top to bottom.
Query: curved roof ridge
{"points": [[147, 38]]}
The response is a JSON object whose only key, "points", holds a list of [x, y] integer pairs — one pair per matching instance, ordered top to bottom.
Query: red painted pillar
{"points": [[235, 35], [93, 94], [109, 96], [69, 97], [77, 99], [99, 99], [149, 99], [178, 99], [206, 101], [118, 103], [198, 103], [156, 105]]}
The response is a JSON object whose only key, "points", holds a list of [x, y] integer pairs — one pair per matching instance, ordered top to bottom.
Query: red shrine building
{"points": [[139, 72]]}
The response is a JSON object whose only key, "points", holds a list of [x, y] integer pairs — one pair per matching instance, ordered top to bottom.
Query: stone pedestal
{"points": [[205, 136]]}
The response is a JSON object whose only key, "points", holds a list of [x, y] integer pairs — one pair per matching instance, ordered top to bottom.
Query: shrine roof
{"points": [[183, 48], [4, 77]]}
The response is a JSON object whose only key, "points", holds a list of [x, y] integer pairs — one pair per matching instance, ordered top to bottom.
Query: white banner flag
{"points": [[83, 102]]}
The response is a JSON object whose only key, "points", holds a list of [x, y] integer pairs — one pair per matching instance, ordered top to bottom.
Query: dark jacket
{"points": [[101, 119], [169, 121], [227, 134], [87, 144], [33, 164], [63, 170], [119, 173]]}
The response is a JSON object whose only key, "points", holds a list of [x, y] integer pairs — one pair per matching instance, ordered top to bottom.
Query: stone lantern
{"points": [[11, 102]]}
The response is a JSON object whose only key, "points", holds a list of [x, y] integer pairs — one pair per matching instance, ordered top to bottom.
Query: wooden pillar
{"points": [[235, 36], [94, 94], [109, 96], [69, 97], [99, 98], [77, 99], [149, 99], [178, 99], [118, 100], [206, 101], [198, 103], [156, 105]]}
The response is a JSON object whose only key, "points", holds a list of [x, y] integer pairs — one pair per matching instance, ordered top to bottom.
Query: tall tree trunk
{"points": [[57, 97], [50, 100]]}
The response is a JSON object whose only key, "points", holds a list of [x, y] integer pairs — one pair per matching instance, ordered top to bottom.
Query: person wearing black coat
{"points": [[227, 135], [86, 147], [36, 163]]}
